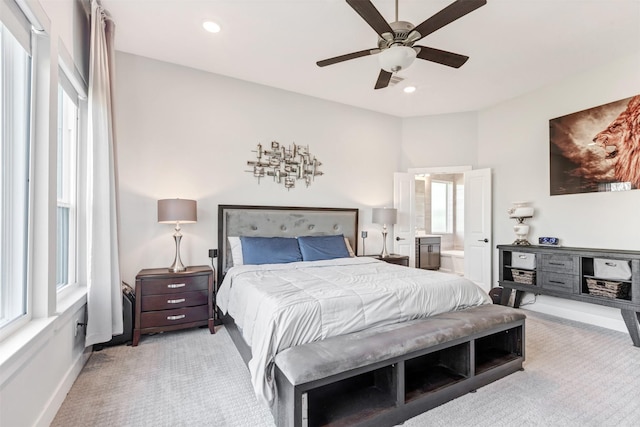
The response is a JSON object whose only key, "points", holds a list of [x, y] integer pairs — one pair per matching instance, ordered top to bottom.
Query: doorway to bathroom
{"points": [[453, 203], [439, 214]]}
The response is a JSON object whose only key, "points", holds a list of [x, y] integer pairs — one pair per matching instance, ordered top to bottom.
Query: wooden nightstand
{"points": [[394, 259], [167, 301]]}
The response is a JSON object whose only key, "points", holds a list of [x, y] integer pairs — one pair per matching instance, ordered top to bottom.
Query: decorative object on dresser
{"points": [[285, 165], [177, 211], [521, 211], [384, 216], [549, 241], [597, 276], [167, 301]]}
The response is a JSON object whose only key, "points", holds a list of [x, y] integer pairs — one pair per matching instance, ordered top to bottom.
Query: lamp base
{"points": [[521, 242], [384, 253], [177, 265]]}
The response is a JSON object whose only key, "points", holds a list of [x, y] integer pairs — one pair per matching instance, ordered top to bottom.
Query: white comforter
{"points": [[277, 306]]}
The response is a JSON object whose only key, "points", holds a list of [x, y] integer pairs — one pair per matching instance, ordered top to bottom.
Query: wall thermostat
{"points": [[551, 241]]}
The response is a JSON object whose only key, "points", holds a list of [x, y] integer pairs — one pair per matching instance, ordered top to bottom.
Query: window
{"points": [[15, 95], [67, 188], [441, 206]]}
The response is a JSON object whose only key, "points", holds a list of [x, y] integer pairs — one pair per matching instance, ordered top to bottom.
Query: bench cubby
{"points": [[433, 371], [352, 399]]}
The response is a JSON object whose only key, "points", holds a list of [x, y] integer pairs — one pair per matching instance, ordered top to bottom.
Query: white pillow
{"points": [[346, 242], [236, 250]]}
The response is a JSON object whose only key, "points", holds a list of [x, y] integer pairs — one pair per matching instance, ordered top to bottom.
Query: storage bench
{"points": [[389, 374]]}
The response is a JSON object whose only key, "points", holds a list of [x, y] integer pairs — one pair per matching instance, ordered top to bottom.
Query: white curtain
{"points": [[104, 295]]}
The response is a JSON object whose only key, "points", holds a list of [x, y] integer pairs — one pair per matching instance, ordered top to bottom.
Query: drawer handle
{"points": [[522, 256], [556, 263], [611, 264], [556, 281], [176, 285], [176, 301], [178, 317]]}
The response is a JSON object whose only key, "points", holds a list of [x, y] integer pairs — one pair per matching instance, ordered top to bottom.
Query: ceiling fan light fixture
{"points": [[396, 58]]}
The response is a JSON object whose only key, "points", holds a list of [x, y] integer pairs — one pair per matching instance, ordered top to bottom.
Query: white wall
{"points": [[187, 133], [513, 140], [437, 141]]}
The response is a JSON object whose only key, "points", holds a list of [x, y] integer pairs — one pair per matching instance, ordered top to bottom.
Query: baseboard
{"points": [[605, 317], [55, 402]]}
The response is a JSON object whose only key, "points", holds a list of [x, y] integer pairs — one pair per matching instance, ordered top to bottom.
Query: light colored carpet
{"points": [[575, 375]]}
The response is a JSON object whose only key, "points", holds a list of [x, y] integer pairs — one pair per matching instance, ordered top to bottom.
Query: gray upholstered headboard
{"points": [[280, 221]]}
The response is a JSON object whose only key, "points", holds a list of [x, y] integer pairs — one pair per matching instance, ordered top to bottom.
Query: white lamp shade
{"points": [[396, 58], [177, 210], [384, 216]]}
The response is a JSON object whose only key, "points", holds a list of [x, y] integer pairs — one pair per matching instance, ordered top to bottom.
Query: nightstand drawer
{"points": [[560, 263], [559, 281], [175, 284], [170, 301], [152, 319]]}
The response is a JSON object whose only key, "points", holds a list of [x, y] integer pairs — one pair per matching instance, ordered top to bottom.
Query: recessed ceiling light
{"points": [[211, 26], [409, 89]]}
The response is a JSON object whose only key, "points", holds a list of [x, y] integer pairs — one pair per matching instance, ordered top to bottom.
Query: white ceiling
{"points": [[514, 46]]}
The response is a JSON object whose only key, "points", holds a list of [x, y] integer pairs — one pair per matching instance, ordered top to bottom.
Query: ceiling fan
{"points": [[396, 41]]}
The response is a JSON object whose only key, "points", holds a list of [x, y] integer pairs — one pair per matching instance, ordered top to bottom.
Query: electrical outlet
{"points": [[213, 253]]}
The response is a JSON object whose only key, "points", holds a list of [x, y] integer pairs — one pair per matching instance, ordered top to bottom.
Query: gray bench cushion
{"points": [[321, 359]]}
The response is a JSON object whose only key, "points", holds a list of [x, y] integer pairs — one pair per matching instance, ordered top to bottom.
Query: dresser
{"points": [[596, 276], [167, 301]]}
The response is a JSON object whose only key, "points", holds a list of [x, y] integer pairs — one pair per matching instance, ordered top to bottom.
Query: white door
{"points": [[404, 200], [477, 227]]}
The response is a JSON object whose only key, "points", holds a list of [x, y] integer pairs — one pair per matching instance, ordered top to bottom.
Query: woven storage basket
{"points": [[528, 277], [608, 289]]}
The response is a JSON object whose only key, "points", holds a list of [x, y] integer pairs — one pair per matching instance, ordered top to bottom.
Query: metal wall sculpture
{"points": [[285, 165]]}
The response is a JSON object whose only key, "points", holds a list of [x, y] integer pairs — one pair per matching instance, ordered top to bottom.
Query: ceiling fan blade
{"points": [[455, 10], [370, 14], [347, 57], [443, 57], [383, 79]]}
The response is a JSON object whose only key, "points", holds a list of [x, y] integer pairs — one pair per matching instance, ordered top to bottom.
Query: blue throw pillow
{"points": [[316, 248], [269, 250]]}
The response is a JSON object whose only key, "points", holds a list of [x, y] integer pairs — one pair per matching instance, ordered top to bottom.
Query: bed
{"points": [[299, 286]]}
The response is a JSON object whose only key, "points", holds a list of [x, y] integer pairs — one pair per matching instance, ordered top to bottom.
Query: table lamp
{"points": [[177, 211], [384, 216]]}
